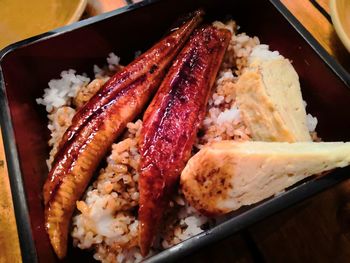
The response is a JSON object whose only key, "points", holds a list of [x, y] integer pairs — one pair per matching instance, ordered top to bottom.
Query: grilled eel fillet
{"points": [[171, 122], [96, 126]]}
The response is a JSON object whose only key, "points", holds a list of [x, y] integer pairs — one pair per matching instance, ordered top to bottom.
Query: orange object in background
{"points": [[96, 7], [340, 13], [21, 19], [9, 243]]}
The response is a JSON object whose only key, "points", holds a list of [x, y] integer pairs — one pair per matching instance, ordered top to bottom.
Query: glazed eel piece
{"points": [[171, 122], [97, 125]]}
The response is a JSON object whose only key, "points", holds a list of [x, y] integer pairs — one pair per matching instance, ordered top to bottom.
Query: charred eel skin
{"points": [[171, 122], [97, 125]]}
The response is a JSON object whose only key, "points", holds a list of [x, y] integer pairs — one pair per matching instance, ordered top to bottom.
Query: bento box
{"points": [[26, 68]]}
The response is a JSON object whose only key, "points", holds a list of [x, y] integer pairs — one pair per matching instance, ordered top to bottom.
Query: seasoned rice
{"points": [[59, 120], [107, 214]]}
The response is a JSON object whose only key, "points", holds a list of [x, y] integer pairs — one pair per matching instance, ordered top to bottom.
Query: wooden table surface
{"points": [[316, 230]]}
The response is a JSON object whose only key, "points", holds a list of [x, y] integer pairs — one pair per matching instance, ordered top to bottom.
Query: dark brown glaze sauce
{"points": [[146, 71], [171, 123]]}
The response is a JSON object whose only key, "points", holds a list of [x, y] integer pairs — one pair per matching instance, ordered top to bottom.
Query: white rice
{"points": [[262, 53], [113, 62], [62, 91], [229, 115], [311, 122], [106, 218]]}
